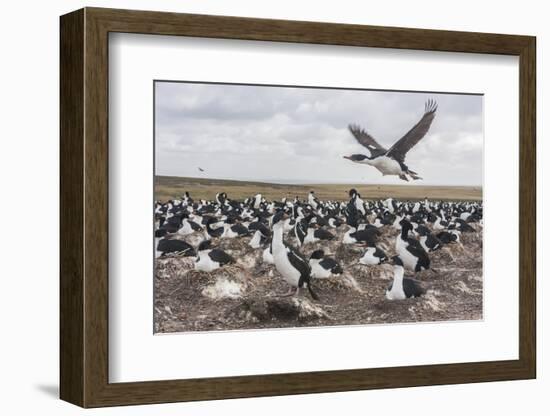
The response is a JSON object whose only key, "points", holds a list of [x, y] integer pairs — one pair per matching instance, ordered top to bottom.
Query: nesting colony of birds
{"points": [[255, 263]]}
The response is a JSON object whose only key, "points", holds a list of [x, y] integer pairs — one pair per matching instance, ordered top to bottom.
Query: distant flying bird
{"points": [[392, 161], [201, 169]]}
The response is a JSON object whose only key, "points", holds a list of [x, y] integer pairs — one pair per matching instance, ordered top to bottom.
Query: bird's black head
{"points": [[356, 157], [352, 192], [205, 245], [318, 254], [396, 261]]}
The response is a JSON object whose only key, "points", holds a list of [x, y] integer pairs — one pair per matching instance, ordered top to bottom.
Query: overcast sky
{"points": [[299, 135]]}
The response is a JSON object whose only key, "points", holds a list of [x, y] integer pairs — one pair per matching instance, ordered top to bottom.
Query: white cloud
{"points": [[300, 134]]}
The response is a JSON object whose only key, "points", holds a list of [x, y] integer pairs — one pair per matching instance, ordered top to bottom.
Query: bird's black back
{"points": [[323, 234], [175, 246], [220, 256], [330, 264], [412, 288]]}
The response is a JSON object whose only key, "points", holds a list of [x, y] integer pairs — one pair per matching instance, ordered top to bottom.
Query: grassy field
{"points": [[169, 187]]}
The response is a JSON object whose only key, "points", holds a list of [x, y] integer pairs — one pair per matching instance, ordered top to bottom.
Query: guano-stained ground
{"points": [[245, 295]]}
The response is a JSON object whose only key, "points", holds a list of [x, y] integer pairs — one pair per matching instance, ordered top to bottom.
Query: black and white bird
{"points": [[392, 161], [221, 197], [312, 200], [356, 200], [188, 226], [234, 229], [212, 232], [309, 232], [358, 232], [316, 233], [353, 235], [260, 237], [447, 237], [428, 241], [179, 247], [411, 252], [373, 256], [210, 259], [292, 266], [323, 267], [402, 287]]}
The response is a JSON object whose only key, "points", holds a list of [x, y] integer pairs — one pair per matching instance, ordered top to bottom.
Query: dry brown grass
{"points": [[169, 187]]}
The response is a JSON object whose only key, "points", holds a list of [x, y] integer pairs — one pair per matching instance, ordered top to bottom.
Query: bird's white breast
{"points": [[387, 165], [185, 228], [228, 232], [310, 237], [347, 238], [255, 241], [267, 257], [407, 257], [369, 258], [205, 263], [284, 267], [317, 271], [396, 292]]}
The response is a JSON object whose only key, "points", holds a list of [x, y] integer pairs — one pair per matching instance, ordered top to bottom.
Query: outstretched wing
{"points": [[365, 139], [399, 150]]}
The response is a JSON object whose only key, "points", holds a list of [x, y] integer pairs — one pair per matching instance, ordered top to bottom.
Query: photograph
{"points": [[280, 206]]}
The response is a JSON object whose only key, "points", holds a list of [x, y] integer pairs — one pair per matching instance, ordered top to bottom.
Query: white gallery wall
{"points": [[29, 158]]}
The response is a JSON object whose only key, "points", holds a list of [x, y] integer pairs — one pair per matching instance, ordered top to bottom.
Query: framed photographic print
{"points": [[257, 207]]}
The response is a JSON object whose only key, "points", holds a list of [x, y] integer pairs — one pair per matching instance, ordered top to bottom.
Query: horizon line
{"points": [[298, 182]]}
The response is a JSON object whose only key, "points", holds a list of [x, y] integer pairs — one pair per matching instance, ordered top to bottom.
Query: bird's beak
{"points": [[347, 157]]}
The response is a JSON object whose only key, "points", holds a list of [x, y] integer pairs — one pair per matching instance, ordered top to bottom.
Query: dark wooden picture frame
{"points": [[84, 207]]}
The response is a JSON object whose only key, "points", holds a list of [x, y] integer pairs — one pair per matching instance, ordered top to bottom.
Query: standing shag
{"points": [[392, 161], [312, 200], [356, 200], [410, 250], [292, 266]]}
